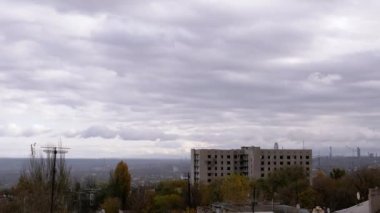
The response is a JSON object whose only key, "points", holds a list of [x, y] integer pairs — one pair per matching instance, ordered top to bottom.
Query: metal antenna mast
{"points": [[54, 150]]}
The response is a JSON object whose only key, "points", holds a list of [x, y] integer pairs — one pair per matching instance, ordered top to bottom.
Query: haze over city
{"points": [[153, 79]]}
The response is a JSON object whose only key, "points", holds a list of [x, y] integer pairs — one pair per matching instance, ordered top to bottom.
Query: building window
{"points": [[209, 156], [216, 156], [221, 156], [228, 156], [262, 156], [268, 156], [275, 157], [281, 157], [288, 157], [295, 157], [301, 157], [307, 157], [228, 162], [262, 162], [268, 162], [307, 162], [275, 163], [281, 163], [288, 163], [208, 168], [216, 168], [221, 168], [262, 168], [268, 168], [228, 173], [209, 174], [216, 174], [221, 174], [262, 175], [209, 180]]}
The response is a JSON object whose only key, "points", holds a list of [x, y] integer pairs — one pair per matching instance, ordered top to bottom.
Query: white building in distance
{"points": [[254, 162]]}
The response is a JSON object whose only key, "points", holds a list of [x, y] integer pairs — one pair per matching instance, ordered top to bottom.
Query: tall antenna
{"points": [[33, 150], [54, 150], [330, 152], [319, 160]]}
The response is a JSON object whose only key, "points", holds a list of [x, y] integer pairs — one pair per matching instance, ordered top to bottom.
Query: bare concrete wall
{"points": [[374, 200]]}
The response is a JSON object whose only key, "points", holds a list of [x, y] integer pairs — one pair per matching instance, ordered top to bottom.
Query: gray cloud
{"points": [[219, 74], [13, 130], [124, 133]]}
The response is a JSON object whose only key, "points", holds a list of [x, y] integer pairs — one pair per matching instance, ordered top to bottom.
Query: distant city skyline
{"points": [[153, 79]]}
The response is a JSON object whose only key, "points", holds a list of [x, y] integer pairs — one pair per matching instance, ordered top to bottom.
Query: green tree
{"points": [[337, 173], [120, 183], [284, 185], [235, 189], [170, 195], [309, 198], [142, 199], [169, 202], [111, 205]]}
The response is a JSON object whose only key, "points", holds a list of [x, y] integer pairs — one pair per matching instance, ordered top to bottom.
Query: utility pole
{"points": [[53, 150], [189, 190], [254, 199]]}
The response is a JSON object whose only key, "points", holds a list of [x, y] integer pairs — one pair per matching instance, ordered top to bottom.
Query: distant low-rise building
{"points": [[254, 162]]}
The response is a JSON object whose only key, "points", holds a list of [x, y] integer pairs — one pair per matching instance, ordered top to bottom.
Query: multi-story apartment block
{"points": [[254, 162]]}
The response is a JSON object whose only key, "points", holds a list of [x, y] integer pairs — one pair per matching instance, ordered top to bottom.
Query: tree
{"points": [[337, 173], [120, 183], [284, 185], [235, 189], [32, 192], [334, 193], [170, 195], [309, 198], [142, 199], [169, 202], [111, 205]]}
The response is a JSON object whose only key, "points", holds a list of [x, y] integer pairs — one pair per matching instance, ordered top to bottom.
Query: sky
{"points": [[153, 79]]}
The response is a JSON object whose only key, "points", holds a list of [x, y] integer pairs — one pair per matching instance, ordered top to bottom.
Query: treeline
{"points": [[289, 186], [36, 192]]}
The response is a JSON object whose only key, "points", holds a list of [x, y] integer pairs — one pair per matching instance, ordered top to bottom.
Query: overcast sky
{"points": [[142, 79]]}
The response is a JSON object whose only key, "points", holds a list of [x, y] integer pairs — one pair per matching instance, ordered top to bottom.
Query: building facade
{"points": [[254, 162]]}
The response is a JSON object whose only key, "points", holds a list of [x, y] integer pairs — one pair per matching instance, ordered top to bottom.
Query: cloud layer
{"points": [[166, 76]]}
